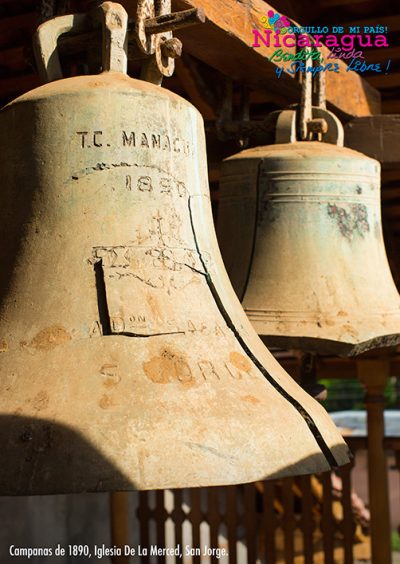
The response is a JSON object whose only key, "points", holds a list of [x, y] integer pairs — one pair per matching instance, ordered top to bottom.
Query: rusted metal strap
{"points": [[172, 22]]}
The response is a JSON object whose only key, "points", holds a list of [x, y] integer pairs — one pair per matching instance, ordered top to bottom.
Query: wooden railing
{"points": [[294, 520], [302, 520]]}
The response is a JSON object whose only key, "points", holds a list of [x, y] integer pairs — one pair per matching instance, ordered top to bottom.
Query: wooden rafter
{"points": [[325, 4], [391, 22], [22, 23], [225, 43], [382, 55], [12, 57], [391, 80], [17, 84], [194, 86], [391, 106], [376, 136]]}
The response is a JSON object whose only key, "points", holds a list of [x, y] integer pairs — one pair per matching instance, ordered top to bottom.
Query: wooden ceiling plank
{"points": [[2, 2], [325, 4], [18, 22], [391, 22], [17, 25], [225, 42], [382, 55], [13, 56], [383, 81], [18, 84], [193, 84], [391, 106], [376, 136], [390, 175], [389, 194], [392, 212]]}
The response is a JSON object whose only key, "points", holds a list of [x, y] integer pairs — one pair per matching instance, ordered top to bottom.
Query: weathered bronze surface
{"points": [[301, 236], [126, 360]]}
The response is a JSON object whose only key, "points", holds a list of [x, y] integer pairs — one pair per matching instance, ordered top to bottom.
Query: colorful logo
{"points": [[279, 24], [347, 44]]}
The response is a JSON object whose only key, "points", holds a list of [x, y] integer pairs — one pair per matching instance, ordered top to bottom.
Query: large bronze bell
{"points": [[301, 236], [126, 360]]}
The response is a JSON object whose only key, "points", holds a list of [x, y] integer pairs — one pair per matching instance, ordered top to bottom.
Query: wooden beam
{"points": [[20, 2], [325, 4], [391, 22], [14, 25], [225, 42], [382, 55], [13, 57], [391, 80], [17, 85], [194, 86], [263, 97], [391, 106], [376, 136], [214, 175], [390, 175], [389, 194], [392, 212], [395, 228], [327, 368], [336, 368], [373, 375], [361, 442]]}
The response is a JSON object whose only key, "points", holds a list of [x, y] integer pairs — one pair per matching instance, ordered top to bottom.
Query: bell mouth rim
{"points": [[326, 346]]}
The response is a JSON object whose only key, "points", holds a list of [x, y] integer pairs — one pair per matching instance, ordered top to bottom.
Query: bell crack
{"points": [[195, 269], [102, 305], [143, 335], [297, 405]]}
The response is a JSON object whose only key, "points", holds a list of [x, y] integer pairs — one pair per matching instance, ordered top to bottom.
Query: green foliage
{"points": [[349, 394], [391, 394], [343, 395], [395, 541]]}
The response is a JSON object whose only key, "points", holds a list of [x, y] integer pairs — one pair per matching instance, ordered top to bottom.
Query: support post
{"points": [[373, 375], [119, 513]]}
